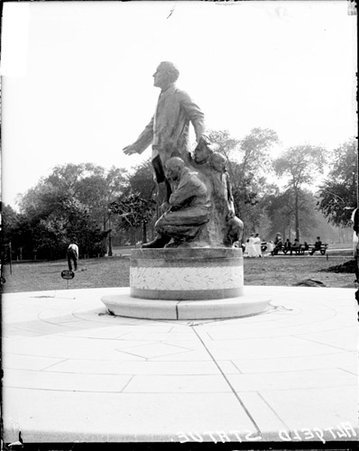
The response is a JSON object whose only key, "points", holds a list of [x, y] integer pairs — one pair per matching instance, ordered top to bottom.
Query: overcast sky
{"points": [[78, 86]]}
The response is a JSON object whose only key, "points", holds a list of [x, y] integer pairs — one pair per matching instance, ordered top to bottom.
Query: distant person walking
{"points": [[72, 255]]}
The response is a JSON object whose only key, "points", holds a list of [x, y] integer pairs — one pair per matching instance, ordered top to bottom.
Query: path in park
{"points": [[74, 373]]}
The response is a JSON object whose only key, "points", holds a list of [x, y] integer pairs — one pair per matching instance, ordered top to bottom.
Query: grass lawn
{"points": [[114, 272]]}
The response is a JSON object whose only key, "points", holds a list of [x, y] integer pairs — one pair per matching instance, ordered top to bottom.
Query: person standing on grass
{"points": [[257, 243], [250, 249], [72, 255]]}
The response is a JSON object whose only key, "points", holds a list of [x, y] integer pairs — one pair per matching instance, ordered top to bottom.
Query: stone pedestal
{"points": [[186, 273], [185, 284]]}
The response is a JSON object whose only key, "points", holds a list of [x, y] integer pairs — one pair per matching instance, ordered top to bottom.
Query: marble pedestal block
{"points": [[186, 273], [185, 284]]}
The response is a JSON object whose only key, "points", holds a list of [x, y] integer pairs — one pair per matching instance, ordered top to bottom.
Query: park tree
{"points": [[225, 143], [255, 149], [252, 151], [249, 162], [300, 165], [249, 175], [142, 181], [91, 185], [97, 188], [338, 193], [72, 201], [138, 204], [280, 208], [133, 212], [63, 218], [9, 222], [16, 234]]}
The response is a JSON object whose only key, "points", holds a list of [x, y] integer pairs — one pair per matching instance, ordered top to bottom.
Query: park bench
{"points": [[323, 248], [300, 250]]}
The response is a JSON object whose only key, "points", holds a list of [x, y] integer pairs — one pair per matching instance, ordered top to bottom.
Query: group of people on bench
{"points": [[295, 247]]}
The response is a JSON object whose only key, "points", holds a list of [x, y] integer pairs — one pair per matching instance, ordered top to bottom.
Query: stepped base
{"points": [[123, 304]]}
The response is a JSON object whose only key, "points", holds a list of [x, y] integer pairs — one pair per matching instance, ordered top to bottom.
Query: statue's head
{"points": [[166, 73], [203, 151], [218, 162], [173, 168]]}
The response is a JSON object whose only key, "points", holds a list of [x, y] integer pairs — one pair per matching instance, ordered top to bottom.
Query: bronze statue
{"points": [[168, 129], [198, 209]]}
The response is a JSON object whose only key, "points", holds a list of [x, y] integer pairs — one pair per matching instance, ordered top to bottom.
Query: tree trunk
{"points": [[296, 194], [144, 232], [109, 237], [109, 245], [10, 257]]}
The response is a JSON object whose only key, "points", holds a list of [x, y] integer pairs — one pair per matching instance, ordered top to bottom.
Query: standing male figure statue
{"points": [[168, 129]]}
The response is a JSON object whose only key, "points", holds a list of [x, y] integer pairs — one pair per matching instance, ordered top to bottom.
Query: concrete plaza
{"points": [[74, 373]]}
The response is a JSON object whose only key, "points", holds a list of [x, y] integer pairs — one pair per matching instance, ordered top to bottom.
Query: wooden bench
{"points": [[301, 249], [298, 250], [322, 250]]}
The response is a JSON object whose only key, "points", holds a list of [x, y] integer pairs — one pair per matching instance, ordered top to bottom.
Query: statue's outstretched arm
{"points": [[143, 141]]}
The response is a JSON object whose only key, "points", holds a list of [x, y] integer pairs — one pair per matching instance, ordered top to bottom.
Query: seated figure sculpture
{"points": [[223, 198], [186, 211], [224, 227]]}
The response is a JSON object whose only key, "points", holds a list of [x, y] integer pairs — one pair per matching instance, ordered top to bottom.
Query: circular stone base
{"points": [[186, 273], [123, 304]]}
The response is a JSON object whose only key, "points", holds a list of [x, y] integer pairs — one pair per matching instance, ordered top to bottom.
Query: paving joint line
{"points": [[321, 343], [49, 366], [236, 366], [347, 371], [228, 382], [127, 383], [271, 408]]}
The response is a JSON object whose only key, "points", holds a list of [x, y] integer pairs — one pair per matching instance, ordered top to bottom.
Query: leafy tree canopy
{"points": [[248, 164], [301, 164], [338, 193], [72, 201], [133, 210], [281, 211]]}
